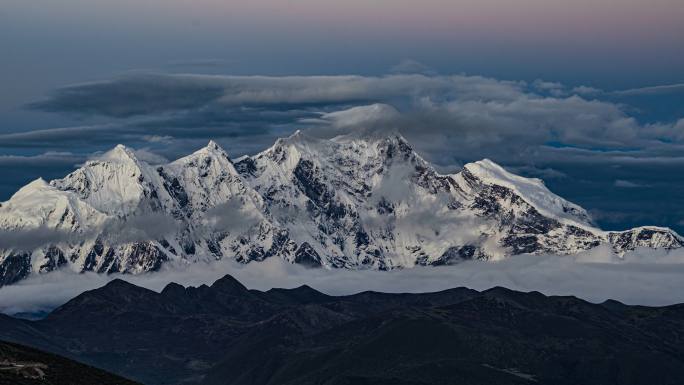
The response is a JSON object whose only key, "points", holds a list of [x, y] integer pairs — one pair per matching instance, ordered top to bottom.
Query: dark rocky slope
{"points": [[227, 334], [21, 365]]}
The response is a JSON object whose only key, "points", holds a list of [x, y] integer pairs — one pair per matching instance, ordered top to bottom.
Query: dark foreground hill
{"points": [[227, 334], [21, 365]]}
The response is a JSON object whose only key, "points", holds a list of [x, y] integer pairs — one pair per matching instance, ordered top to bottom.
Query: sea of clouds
{"points": [[643, 277]]}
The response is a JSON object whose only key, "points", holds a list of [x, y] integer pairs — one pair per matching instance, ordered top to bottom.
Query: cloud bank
{"points": [[473, 111], [583, 138], [644, 277]]}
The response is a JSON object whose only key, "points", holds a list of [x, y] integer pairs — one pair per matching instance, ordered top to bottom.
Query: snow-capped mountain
{"points": [[355, 201]]}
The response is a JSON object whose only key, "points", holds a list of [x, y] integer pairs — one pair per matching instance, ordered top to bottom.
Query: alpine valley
{"points": [[361, 201]]}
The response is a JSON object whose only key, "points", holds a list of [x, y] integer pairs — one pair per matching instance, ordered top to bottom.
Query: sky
{"points": [[587, 95]]}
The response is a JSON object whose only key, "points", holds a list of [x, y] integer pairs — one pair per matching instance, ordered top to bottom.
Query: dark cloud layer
{"points": [[131, 95]]}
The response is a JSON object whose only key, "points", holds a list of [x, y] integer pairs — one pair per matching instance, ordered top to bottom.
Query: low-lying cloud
{"points": [[230, 217], [139, 228], [114, 231], [33, 238], [643, 277]]}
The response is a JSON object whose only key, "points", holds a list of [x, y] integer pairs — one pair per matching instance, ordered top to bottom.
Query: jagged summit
{"points": [[298, 134], [295, 137], [299, 139], [213, 148], [119, 153], [205, 155], [362, 200]]}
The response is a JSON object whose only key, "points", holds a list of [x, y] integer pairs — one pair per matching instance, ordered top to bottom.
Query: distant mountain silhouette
{"points": [[228, 334]]}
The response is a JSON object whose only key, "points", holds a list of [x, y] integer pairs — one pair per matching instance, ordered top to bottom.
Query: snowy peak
{"points": [[296, 136], [298, 139], [213, 148], [119, 154], [210, 156], [490, 172], [204, 179], [116, 183], [37, 186], [533, 190], [39, 204]]}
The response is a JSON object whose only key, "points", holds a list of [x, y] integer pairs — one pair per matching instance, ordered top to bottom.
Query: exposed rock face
{"points": [[349, 202], [648, 237]]}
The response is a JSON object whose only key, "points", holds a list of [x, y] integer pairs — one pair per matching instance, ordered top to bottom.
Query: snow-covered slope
{"points": [[534, 191], [355, 201]]}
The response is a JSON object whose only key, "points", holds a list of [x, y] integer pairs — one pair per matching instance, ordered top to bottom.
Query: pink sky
{"points": [[524, 18], [590, 37]]}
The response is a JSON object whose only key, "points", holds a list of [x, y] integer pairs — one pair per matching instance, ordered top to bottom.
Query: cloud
{"points": [[410, 66], [553, 88], [586, 90], [653, 90], [139, 94], [144, 94], [474, 110], [360, 119], [517, 132], [86, 136], [158, 138], [149, 157], [46, 158], [545, 173], [627, 184], [230, 217], [139, 227], [33, 238], [642, 277]]}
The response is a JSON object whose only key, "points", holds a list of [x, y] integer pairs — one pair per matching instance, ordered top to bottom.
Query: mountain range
{"points": [[358, 201], [228, 334]]}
